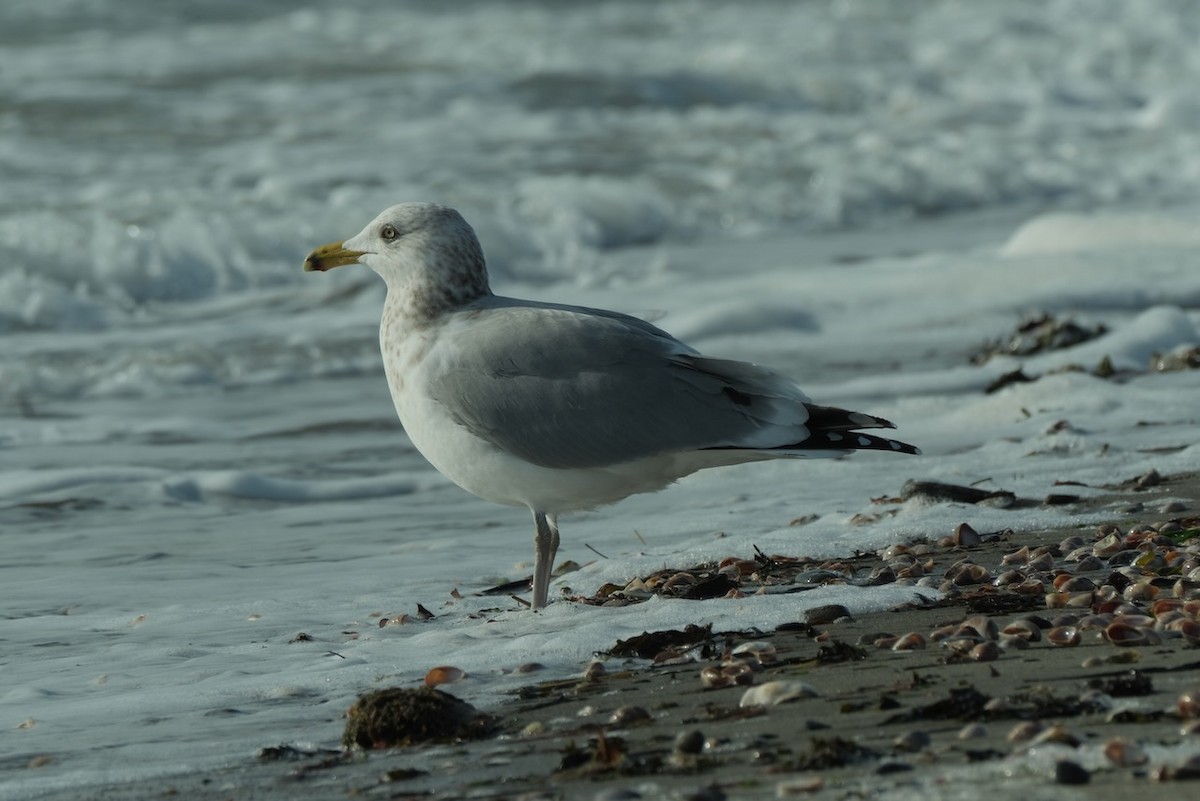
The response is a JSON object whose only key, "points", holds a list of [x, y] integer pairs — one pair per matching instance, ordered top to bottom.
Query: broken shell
{"points": [[1066, 636], [912, 641], [757, 650], [444, 674], [777, 692]]}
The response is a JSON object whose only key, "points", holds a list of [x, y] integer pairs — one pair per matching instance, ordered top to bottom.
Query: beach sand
{"points": [[881, 722]]}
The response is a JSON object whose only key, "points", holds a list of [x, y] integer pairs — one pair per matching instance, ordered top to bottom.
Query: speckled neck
{"points": [[451, 275]]}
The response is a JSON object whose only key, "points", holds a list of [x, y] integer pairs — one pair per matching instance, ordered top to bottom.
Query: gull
{"points": [[563, 408]]}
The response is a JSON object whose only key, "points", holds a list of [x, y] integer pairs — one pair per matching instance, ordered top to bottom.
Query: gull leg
{"points": [[545, 543]]}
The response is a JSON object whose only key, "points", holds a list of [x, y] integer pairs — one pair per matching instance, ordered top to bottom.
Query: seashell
{"points": [[965, 536], [1070, 543], [1108, 546], [892, 551], [1079, 554], [1017, 557], [1089, 562], [1040, 563], [910, 571], [969, 575], [880, 576], [1008, 577], [679, 580], [1075, 583], [1030, 586], [1186, 588], [1079, 600], [828, 613], [1134, 619], [1170, 620], [1089, 622], [983, 625], [1024, 629], [1190, 630], [939, 634], [1125, 635], [1065, 636], [913, 641], [886, 642], [1008, 642], [960, 645], [758, 650], [988, 651], [594, 671], [739, 673], [444, 674], [711, 677], [774, 693], [1188, 704], [998, 706], [630, 716], [1192, 727], [972, 731], [1024, 731], [1056, 734], [912, 741], [1124, 753], [801, 786]]}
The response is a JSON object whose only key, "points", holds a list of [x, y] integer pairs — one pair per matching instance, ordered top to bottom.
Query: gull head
{"points": [[427, 254]]}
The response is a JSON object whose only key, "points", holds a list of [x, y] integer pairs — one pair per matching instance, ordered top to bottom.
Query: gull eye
{"points": [[389, 233]]}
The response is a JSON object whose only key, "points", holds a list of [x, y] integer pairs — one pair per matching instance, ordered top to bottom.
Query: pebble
{"points": [[1068, 772]]}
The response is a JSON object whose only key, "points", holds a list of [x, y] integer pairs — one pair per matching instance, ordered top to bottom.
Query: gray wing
{"points": [[567, 387]]}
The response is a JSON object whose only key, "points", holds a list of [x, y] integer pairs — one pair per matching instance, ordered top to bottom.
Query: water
{"points": [[198, 455]]}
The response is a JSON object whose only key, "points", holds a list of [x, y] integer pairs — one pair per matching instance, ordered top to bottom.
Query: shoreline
{"points": [[866, 719]]}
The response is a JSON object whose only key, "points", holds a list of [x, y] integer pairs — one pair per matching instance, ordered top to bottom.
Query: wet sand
{"points": [[882, 722]]}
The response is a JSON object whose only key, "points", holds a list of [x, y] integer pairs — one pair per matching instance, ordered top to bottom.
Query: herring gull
{"points": [[561, 408]]}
